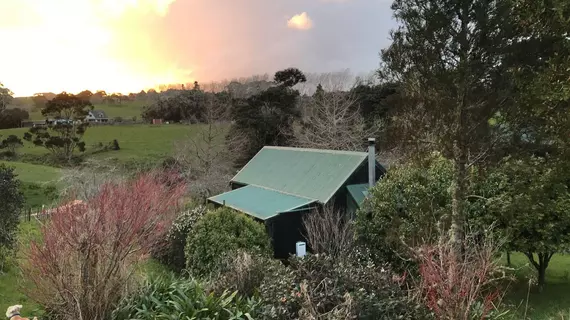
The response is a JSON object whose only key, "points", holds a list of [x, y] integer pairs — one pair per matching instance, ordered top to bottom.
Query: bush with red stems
{"points": [[87, 252], [464, 287]]}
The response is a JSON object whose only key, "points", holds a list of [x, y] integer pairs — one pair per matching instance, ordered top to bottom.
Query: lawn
{"points": [[127, 110], [135, 141], [554, 300]]}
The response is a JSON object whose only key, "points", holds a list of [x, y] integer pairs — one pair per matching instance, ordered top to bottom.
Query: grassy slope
{"points": [[126, 110], [136, 141], [33, 173], [36, 182], [554, 300]]}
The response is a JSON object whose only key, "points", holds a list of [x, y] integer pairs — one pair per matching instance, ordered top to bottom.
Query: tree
{"points": [[448, 57], [289, 77], [85, 95], [6, 97], [40, 101], [375, 101], [189, 105], [12, 118], [265, 118], [333, 122], [63, 135], [11, 144], [530, 199], [10, 206]]}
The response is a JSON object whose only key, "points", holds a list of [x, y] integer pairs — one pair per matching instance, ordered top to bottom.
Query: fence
{"points": [[41, 213]]}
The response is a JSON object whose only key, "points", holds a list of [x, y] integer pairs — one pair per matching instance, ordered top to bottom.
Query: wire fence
{"points": [[39, 213]]}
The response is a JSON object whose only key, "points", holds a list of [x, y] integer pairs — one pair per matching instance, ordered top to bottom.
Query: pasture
{"points": [[126, 110], [135, 141], [554, 301]]}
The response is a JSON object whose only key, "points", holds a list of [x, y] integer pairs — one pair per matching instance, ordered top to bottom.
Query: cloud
{"points": [[300, 21], [128, 45]]}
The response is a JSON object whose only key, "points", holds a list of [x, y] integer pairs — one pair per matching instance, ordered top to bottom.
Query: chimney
{"points": [[371, 162]]}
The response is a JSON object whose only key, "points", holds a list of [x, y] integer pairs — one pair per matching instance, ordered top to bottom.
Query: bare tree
{"points": [[332, 121], [203, 157], [329, 231]]}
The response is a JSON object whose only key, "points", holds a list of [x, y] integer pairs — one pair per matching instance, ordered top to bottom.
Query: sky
{"points": [[129, 45]]}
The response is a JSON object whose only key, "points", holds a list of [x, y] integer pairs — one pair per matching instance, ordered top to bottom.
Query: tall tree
{"points": [[447, 55], [85, 95], [6, 96], [265, 118], [333, 121], [64, 135]]}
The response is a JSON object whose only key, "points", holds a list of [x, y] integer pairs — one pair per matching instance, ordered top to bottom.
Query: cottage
{"points": [[97, 116], [280, 185]]}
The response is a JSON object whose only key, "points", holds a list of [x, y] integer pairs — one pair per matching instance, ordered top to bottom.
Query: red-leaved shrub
{"points": [[87, 251], [461, 287]]}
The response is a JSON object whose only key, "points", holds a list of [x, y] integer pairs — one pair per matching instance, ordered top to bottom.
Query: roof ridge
{"points": [[362, 153], [279, 191]]}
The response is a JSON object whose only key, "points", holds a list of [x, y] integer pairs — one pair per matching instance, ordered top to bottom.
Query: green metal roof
{"points": [[309, 173], [358, 192], [260, 202]]}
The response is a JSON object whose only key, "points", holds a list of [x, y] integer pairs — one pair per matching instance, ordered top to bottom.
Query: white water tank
{"points": [[301, 249]]}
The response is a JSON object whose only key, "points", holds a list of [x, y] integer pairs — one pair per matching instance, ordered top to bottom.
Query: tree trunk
{"points": [[460, 140], [457, 210], [541, 265], [541, 277]]}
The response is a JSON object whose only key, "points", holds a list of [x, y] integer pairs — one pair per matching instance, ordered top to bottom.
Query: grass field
{"points": [[127, 110], [136, 141], [33, 173], [554, 301]]}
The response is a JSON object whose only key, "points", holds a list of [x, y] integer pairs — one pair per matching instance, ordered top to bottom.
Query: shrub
{"points": [[11, 144], [114, 145], [11, 202], [404, 209], [329, 231], [222, 232], [87, 250], [171, 253], [242, 272], [321, 287], [462, 288], [172, 298]]}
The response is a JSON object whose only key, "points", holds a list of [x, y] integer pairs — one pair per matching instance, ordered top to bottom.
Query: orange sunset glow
{"points": [[73, 45]]}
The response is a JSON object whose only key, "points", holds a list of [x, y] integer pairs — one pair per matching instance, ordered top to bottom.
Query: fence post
{"points": [[30, 214]]}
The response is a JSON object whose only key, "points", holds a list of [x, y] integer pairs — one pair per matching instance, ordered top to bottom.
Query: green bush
{"points": [[11, 203], [403, 210], [223, 232], [171, 252], [321, 287], [173, 298]]}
